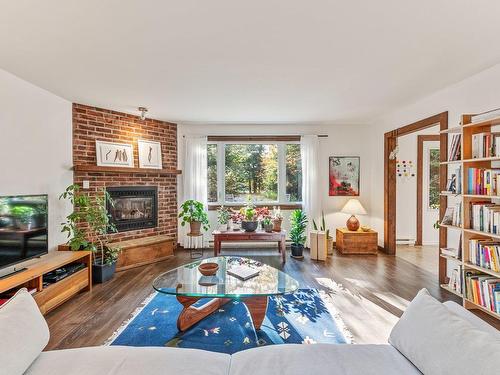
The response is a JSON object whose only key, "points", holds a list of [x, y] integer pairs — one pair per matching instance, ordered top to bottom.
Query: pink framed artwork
{"points": [[343, 176]]}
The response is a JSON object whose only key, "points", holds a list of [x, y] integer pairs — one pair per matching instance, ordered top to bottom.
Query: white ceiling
{"points": [[253, 61]]}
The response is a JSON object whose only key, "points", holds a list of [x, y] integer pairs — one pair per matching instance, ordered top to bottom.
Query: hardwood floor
{"points": [[425, 257], [370, 292]]}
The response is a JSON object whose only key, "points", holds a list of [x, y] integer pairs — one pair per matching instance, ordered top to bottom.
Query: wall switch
{"points": [[86, 184]]}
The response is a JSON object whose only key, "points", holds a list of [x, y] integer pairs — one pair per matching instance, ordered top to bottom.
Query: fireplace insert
{"points": [[136, 207]]}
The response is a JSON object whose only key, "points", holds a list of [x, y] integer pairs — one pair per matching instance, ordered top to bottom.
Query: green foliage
{"points": [[212, 172], [293, 172], [434, 190], [192, 210], [248, 211], [22, 213], [223, 215], [267, 221], [298, 223], [89, 225], [323, 225]]}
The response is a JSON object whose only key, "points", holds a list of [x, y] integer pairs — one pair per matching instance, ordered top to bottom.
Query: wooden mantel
{"points": [[96, 168]]}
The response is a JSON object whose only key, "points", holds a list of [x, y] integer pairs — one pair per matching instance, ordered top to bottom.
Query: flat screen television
{"points": [[23, 228]]}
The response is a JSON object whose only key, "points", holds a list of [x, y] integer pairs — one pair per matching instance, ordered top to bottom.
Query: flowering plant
{"points": [[263, 213], [277, 214]]}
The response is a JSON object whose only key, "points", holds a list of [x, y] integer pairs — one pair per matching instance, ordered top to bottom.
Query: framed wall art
{"points": [[110, 154], [149, 154], [343, 176]]}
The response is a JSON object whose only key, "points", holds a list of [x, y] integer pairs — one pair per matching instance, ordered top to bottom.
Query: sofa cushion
{"points": [[470, 317], [23, 331], [435, 340], [321, 359], [125, 360]]}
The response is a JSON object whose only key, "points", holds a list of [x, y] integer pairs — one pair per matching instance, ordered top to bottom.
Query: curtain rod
{"points": [[287, 135]]}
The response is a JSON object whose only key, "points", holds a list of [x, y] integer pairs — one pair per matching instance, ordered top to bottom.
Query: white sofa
{"points": [[431, 337]]}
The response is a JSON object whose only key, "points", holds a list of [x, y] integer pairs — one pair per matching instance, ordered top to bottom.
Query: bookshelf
{"points": [[468, 128]]}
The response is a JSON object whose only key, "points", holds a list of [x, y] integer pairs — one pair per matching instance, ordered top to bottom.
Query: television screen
{"points": [[23, 228]]}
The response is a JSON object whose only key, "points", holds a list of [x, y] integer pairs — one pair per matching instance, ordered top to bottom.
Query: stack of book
{"points": [[484, 145], [455, 148], [483, 181], [485, 217], [485, 253], [456, 282], [483, 290]]}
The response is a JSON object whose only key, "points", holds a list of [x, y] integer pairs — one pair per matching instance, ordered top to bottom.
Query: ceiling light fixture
{"points": [[143, 111]]}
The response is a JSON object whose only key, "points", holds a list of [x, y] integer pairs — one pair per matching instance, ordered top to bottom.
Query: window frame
{"points": [[221, 169]]}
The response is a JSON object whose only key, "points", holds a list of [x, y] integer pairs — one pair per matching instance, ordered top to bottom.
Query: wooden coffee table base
{"points": [[190, 315]]}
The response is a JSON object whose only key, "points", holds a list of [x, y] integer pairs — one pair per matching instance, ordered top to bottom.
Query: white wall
{"points": [[475, 94], [343, 140], [35, 146], [406, 194]]}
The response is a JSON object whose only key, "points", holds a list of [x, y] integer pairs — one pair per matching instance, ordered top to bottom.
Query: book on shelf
{"points": [[484, 145], [455, 148], [483, 181], [453, 185], [453, 215], [448, 216], [485, 217], [454, 252], [485, 253], [456, 282], [483, 290]]}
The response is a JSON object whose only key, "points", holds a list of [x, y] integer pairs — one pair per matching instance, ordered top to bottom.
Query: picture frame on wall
{"points": [[111, 154], [149, 154], [344, 176]]}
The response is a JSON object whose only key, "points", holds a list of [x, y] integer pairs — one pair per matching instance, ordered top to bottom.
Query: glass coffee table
{"points": [[189, 286]]}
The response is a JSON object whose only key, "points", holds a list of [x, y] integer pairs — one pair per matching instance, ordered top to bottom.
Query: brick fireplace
{"points": [[91, 124]]}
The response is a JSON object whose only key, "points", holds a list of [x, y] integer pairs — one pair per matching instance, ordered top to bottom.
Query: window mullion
{"points": [[281, 173]]}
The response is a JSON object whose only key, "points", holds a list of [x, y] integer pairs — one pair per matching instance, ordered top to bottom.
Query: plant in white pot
{"points": [[194, 213], [223, 216], [323, 229]]}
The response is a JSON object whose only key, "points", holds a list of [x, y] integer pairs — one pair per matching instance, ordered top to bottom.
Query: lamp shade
{"points": [[353, 207]]}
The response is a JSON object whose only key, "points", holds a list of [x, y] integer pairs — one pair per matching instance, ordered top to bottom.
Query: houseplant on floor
{"points": [[193, 212], [298, 224], [89, 228], [323, 229]]}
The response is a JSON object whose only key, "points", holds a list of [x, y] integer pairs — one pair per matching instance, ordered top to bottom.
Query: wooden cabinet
{"points": [[357, 242], [145, 250]]}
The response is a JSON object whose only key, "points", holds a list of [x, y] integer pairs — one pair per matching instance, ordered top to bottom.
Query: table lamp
{"points": [[353, 207]]}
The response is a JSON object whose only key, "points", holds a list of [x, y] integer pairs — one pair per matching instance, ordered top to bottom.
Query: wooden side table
{"points": [[357, 242]]}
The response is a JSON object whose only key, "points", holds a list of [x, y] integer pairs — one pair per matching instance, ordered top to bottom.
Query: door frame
{"points": [[390, 141], [420, 179]]}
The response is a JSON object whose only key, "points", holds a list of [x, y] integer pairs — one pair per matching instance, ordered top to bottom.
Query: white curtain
{"points": [[194, 179], [311, 197]]}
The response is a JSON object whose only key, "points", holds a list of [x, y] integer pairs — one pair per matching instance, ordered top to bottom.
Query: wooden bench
{"points": [[145, 250]]}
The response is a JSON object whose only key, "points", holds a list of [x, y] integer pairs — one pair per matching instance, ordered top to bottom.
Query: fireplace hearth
{"points": [[135, 207]]}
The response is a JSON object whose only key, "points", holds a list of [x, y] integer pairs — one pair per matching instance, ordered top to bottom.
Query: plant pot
{"points": [[23, 225], [277, 225], [249, 226], [195, 227], [223, 227], [268, 228], [330, 246], [297, 251], [103, 272]]}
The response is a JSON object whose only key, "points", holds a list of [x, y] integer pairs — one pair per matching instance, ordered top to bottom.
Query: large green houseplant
{"points": [[194, 213], [298, 225], [89, 227]]}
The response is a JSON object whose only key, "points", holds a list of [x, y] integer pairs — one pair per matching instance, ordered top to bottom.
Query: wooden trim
{"points": [[253, 138], [96, 168], [420, 169], [390, 177], [443, 199], [286, 206]]}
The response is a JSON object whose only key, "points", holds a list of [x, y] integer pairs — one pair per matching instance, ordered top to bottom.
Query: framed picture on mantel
{"points": [[110, 154], [149, 154], [343, 176]]}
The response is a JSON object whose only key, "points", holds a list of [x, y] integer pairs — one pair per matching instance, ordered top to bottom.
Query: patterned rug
{"points": [[305, 317]]}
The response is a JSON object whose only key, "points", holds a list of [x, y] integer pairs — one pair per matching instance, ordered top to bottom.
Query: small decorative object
{"points": [[111, 154], [149, 154], [405, 169], [344, 176], [353, 207], [193, 212], [223, 216], [277, 219], [298, 223], [267, 224], [322, 228], [365, 228], [208, 269]]}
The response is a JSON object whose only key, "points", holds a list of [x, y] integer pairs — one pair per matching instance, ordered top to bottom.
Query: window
{"points": [[266, 172], [434, 178]]}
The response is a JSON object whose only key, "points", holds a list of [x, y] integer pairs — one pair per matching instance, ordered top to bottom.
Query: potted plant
{"points": [[193, 212], [249, 213], [23, 216], [223, 216], [277, 219], [298, 223], [267, 224], [89, 228], [323, 229]]}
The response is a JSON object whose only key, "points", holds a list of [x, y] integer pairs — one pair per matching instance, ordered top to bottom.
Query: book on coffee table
{"points": [[243, 272]]}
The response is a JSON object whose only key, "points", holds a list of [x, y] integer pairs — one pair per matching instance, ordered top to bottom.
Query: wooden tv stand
{"points": [[53, 295]]}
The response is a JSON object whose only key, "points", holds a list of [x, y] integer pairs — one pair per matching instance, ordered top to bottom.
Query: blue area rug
{"points": [[305, 317]]}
